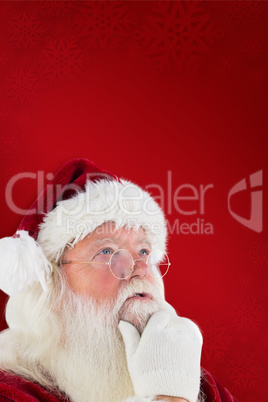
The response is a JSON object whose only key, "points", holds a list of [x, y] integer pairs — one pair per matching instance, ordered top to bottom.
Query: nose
{"points": [[140, 268]]}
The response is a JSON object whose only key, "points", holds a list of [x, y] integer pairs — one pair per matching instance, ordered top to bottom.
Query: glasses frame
{"points": [[110, 259]]}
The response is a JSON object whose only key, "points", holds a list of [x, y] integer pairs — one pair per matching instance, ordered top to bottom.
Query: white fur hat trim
{"points": [[123, 202]]}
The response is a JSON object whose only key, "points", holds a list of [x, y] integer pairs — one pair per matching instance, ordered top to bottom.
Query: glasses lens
{"points": [[158, 262], [121, 264]]}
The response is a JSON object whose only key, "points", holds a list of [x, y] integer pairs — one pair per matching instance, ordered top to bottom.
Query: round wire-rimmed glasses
{"points": [[121, 263]]}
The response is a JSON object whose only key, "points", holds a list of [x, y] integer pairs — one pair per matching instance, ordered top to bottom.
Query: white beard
{"points": [[91, 363]]}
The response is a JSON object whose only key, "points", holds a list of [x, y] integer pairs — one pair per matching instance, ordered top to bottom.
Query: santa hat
{"points": [[79, 199]]}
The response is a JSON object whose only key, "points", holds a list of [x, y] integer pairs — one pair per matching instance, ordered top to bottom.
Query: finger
{"points": [[170, 309], [157, 321], [187, 328], [130, 336]]}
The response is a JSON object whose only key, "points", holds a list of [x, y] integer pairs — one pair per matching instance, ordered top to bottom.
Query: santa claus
{"points": [[87, 316]]}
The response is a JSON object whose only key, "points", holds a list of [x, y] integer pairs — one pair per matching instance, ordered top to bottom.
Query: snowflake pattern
{"points": [[56, 7], [5, 9], [243, 11], [103, 24], [25, 29], [59, 29], [178, 33], [252, 50], [3, 58], [61, 60], [225, 62], [255, 77], [22, 85], [23, 120], [258, 253], [248, 280], [248, 314], [216, 339], [244, 369]]}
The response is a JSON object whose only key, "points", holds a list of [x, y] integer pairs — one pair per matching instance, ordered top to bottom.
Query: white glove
{"points": [[165, 360]]}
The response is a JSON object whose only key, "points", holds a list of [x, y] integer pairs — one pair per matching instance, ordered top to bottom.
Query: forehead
{"points": [[107, 231]]}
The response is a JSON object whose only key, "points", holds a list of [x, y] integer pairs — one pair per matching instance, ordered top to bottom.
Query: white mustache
{"points": [[137, 286]]}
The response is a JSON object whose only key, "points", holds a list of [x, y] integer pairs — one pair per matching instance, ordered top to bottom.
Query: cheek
{"points": [[75, 277], [152, 280], [95, 283], [157, 283], [104, 285]]}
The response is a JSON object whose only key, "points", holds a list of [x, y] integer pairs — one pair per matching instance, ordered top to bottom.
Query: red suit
{"points": [[16, 389]]}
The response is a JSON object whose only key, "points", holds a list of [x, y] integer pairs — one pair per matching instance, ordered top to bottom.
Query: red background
{"points": [[143, 88]]}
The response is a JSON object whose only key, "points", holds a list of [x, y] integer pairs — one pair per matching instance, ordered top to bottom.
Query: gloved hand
{"points": [[165, 360]]}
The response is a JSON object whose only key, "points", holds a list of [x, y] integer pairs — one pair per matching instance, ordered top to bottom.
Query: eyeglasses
{"points": [[121, 263]]}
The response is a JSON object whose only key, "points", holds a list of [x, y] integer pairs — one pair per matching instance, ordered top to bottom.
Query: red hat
{"points": [[79, 199]]}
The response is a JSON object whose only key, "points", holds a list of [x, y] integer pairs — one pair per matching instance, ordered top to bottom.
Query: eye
{"points": [[106, 251], [144, 252]]}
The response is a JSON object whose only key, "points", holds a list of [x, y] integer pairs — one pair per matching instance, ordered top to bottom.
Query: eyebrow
{"points": [[115, 240], [140, 241], [98, 242]]}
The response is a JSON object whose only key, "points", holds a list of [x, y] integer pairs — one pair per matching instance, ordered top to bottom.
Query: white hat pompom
{"points": [[22, 263]]}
